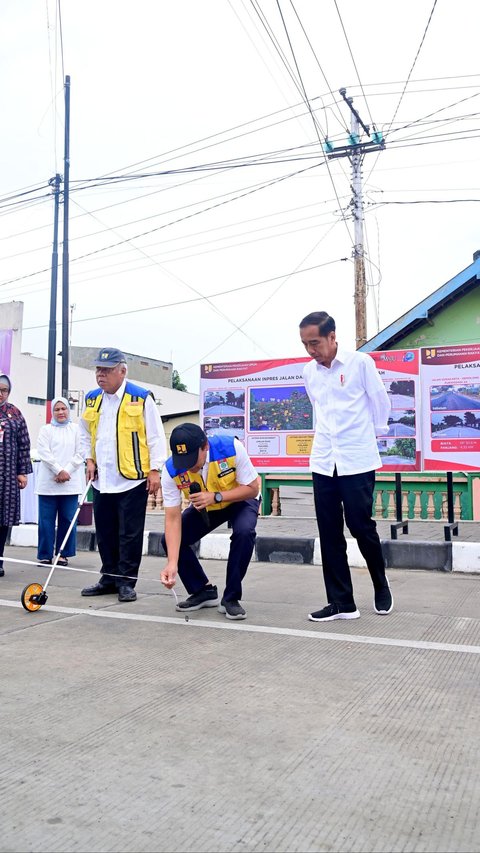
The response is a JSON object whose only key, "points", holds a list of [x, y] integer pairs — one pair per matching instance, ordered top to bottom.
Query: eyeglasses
{"points": [[4, 390]]}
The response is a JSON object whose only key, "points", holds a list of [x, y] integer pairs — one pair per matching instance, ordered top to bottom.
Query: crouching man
{"points": [[218, 477]]}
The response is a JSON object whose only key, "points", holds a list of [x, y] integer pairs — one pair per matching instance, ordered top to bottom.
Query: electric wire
{"points": [[60, 30], [354, 63], [413, 66], [340, 114], [314, 119], [174, 222], [189, 286], [193, 299]]}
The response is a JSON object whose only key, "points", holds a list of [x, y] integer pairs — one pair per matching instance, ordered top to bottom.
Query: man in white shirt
{"points": [[351, 408], [123, 441], [221, 483]]}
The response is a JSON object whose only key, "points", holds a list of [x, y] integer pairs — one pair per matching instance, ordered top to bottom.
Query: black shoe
{"points": [[44, 562], [2, 572], [99, 589], [126, 593], [206, 597], [383, 600], [232, 609], [333, 611]]}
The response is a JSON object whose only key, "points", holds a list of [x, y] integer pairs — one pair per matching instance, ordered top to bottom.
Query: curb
{"points": [[301, 550]]}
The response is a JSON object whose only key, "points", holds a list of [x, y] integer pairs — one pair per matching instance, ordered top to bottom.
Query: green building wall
{"points": [[458, 323]]}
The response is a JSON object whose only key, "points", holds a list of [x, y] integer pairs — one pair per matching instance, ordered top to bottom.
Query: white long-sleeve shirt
{"points": [[351, 408], [58, 449], [109, 478]]}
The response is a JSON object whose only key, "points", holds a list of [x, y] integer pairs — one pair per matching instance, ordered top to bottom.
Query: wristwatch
{"points": [[218, 497]]}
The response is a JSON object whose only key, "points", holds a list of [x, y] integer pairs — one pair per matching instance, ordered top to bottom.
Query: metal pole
{"points": [[358, 250], [65, 294], [52, 327]]}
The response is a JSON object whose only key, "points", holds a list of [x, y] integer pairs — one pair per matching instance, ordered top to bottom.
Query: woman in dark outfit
{"points": [[15, 462]]}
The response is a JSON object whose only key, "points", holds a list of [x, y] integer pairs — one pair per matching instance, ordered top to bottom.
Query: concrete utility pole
{"points": [[355, 152], [65, 258], [52, 327]]}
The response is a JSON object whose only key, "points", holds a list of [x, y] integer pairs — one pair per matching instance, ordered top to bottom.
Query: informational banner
{"points": [[6, 338], [450, 377], [265, 405], [434, 422], [400, 448]]}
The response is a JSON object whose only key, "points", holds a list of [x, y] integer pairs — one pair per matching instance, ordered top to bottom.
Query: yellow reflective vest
{"points": [[133, 458], [221, 472]]}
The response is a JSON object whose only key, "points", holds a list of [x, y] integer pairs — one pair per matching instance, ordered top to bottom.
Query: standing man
{"points": [[351, 407], [123, 441], [218, 477]]}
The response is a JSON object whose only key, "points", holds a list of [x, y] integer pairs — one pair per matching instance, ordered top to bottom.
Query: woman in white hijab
{"points": [[60, 480]]}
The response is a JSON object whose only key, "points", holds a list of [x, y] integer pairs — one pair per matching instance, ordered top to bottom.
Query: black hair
{"points": [[325, 323]]}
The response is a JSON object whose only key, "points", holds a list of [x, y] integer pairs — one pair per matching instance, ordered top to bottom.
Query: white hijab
{"points": [[54, 421]]}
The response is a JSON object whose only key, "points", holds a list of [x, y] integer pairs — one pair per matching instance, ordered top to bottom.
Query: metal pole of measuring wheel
{"points": [[67, 534]]}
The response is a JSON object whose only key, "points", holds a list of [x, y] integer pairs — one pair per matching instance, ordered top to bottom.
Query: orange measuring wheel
{"points": [[33, 596]]}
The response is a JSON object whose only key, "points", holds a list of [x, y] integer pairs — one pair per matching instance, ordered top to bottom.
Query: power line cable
{"points": [[60, 30], [354, 64], [413, 65], [336, 103], [435, 112], [314, 119], [175, 222], [285, 279], [185, 283], [188, 301]]}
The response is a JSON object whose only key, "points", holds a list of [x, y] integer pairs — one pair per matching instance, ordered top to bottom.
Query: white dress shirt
{"points": [[351, 407], [58, 449], [245, 474], [109, 478]]}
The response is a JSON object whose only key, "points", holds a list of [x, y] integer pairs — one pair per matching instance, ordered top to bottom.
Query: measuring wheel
{"points": [[33, 596]]}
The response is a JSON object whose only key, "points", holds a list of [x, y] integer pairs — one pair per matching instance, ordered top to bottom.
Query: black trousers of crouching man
{"points": [[347, 498], [242, 517], [119, 526]]}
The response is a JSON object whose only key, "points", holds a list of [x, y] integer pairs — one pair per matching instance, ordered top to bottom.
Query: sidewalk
{"points": [[293, 538], [126, 728]]}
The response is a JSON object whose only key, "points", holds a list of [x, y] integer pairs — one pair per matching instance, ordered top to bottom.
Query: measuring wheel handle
{"points": [[33, 597]]}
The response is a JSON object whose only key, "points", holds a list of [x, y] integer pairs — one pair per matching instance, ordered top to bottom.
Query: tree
{"points": [[177, 383], [402, 386]]}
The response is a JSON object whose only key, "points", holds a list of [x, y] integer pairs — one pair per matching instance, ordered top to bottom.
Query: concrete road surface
{"points": [[125, 728]]}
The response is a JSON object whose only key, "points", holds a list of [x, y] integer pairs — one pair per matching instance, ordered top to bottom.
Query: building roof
{"points": [[426, 309], [172, 402]]}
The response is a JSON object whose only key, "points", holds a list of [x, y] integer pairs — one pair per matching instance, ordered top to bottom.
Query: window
{"points": [[36, 401]]}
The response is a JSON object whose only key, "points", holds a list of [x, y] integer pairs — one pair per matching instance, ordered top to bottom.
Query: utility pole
{"points": [[355, 151], [65, 282], [72, 309], [52, 327]]}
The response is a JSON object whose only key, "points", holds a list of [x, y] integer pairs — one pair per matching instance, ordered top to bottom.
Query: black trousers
{"points": [[347, 498], [243, 517], [119, 526], [3, 539]]}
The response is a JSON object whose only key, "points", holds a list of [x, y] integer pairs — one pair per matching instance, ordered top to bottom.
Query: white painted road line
{"points": [[256, 629]]}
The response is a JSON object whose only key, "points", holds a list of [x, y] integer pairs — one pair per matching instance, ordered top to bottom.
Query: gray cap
{"points": [[109, 357]]}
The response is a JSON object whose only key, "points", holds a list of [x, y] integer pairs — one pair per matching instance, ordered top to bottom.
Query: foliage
{"points": [[177, 383]]}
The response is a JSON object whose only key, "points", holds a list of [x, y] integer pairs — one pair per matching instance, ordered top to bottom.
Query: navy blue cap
{"points": [[109, 357], [185, 442]]}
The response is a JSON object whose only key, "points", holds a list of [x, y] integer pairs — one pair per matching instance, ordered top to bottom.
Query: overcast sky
{"points": [[221, 214]]}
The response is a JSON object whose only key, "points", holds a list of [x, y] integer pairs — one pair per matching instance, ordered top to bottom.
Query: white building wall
{"points": [[28, 375]]}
